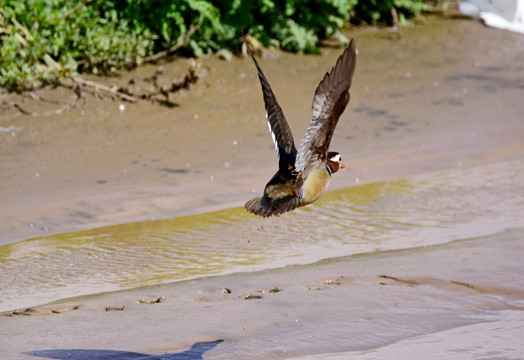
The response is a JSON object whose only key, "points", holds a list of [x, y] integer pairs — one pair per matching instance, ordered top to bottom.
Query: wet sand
{"points": [[447, 96], [350, 306]]}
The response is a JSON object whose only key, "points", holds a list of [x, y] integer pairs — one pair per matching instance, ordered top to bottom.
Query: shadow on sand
{"points": [[195, 353]]}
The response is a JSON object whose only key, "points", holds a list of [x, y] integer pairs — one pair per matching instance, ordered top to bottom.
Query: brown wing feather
{"points": [[329, 102], [280, 131], [277, 199], [262, 206]]}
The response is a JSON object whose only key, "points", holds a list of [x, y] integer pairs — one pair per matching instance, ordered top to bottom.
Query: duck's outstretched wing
{"points": [[329, 102], [279, 128], [281, 192]]}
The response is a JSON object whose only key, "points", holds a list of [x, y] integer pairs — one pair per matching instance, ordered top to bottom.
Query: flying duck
{"points": [[304, 175]]}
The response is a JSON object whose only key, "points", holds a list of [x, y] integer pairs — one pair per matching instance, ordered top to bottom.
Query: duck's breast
{"points": [[315, 184]]}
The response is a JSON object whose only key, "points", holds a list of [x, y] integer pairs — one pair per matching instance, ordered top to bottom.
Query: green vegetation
{"points": [[377, 11], [43, 41]]}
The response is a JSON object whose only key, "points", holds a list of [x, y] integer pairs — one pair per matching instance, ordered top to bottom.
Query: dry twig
{"points": [[396, 23], [182, 41], [103, 88]]}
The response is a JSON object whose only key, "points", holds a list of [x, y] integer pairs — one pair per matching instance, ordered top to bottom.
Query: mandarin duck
{"points": [[304, 175]]}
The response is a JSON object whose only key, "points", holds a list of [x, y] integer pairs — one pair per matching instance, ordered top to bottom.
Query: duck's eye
{"points": [[336, 158]]}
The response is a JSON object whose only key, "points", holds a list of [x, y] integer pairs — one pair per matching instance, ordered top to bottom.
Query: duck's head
{"points": [[334, 161]]}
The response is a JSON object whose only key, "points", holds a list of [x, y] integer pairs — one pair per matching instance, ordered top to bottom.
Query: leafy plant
{"points": [[379, 11], [44, 39], [41, 41]]}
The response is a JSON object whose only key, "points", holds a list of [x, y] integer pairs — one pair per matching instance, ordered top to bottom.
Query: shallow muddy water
{"points": [[388, 215]]}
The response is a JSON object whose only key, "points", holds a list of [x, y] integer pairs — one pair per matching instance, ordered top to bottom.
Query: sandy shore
{"points": [[448, 96], [352, 305]]}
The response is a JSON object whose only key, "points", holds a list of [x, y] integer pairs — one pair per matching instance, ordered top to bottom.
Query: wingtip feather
{"points": [[262, 207]]}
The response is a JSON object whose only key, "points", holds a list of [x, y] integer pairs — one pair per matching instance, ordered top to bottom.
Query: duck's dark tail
{"points": [[265, 206]]}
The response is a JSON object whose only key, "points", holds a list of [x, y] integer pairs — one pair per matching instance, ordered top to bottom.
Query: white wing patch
{"points": [[273, 137]]}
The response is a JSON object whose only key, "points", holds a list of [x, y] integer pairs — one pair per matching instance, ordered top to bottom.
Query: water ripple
{"points": [[374, 217]]}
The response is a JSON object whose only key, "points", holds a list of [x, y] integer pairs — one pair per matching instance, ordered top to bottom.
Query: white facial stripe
{"points": [[336, 158]]}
